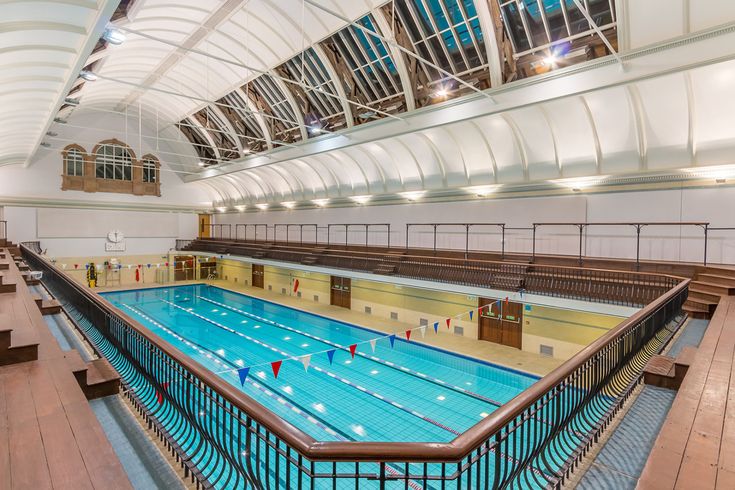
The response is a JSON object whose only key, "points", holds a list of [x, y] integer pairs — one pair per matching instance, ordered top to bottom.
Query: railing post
{"points": [[407, 227], [581, 231], [706, 233], [388, 235], [435, 239], [466, 241], [502, 242], [533, 250]]}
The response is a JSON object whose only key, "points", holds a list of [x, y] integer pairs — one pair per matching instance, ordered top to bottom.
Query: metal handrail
{"points": [[562, 397]]}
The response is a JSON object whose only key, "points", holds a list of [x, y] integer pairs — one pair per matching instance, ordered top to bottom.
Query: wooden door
{"points": [[205, 220], [183, 268], [258, 279], [341, 292], [501, 323]]}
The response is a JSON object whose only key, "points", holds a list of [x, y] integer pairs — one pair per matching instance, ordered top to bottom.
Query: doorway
{"points": [[205, 221], [183, 268], [258, 277], [341, 292], [501, 323]]}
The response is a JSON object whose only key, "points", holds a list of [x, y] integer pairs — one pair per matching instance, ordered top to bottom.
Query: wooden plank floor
{"points": [[49, 436], [696, 446]]}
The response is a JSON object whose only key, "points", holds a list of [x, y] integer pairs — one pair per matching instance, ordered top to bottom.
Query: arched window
{"points": [[74, 162], [113, 162], [150, 170]]}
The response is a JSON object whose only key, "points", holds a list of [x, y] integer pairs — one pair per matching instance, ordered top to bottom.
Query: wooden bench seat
{"points": [[6, 284], [47, 306], [696, 445]]}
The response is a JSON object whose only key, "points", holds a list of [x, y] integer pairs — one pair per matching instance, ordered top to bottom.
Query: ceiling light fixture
{"points": [[113, 35], [88, 75], [442, 92], [201, 164], [481, 190], [412, 195], [361, 199], [320, 202], [288, 204], [262, 206], [241, 207], [221, 209]]}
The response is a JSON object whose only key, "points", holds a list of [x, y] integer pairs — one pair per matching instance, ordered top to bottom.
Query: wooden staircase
{"points": [[706, 289]]}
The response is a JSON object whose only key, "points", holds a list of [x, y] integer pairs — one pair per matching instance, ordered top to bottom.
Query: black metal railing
{"points": [[371, 234], [605, 286], [229, 440]]}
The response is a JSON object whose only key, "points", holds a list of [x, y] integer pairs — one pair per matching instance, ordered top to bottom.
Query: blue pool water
{"points": [[408, 392]]}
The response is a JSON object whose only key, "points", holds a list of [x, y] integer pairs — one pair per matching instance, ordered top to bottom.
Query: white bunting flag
{"points": [[63, 266], [158, 266], [423, 331], [372, 344], [306, 360]]}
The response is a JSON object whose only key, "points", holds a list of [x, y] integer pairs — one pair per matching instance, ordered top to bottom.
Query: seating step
{"points": [[697, 292], [706, 304], [47, 306], [696, 312], [17, 344], [668, 372], [96, 378]]}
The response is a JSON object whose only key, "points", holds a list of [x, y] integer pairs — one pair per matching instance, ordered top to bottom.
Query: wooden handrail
{"points": [[314, 450]]}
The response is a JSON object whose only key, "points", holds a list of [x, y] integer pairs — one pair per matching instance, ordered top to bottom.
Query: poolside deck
{"points": [[49, 435], [696, 446]]}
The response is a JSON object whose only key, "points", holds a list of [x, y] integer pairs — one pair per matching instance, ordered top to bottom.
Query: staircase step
{"points": [[717, 279], [710, 287], [697, 292], [705, 305]]}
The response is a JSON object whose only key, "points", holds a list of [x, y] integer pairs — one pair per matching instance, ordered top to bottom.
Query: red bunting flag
{"points": [[296, 286], [507, 300], [449, 321], [408, 335], [353, 348], [276, 366]]}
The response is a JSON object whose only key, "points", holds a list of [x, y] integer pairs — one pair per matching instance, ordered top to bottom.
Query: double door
{"points": [[183, 268], [258, 278], [341, 292], [501, 323]]}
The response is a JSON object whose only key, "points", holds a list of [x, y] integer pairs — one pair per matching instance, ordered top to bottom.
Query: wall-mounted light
{"points": [[88, 75], [441, 92], [578, 184], [481, 190], [412, 195], [361, 199], [320, 202], [288, 204], [262, 206], [241, 207]]}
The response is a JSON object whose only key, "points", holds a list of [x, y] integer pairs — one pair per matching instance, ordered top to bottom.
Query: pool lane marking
{"points": [[379, 360], [384, 362], [323, 371], [271, 393]]}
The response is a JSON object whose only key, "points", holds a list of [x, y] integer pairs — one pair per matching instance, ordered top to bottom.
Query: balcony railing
{"points": [[229, 440]]}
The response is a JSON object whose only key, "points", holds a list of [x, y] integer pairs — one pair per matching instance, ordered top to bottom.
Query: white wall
{"points": [[41, 180], [714, 204], [23, 225]]}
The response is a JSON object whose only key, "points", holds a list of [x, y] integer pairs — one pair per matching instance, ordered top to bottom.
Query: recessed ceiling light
{"points": [[442, 92], [201, 164], [412, 195], [320, 202], [288, 204], [262, 206], [241, 207]]}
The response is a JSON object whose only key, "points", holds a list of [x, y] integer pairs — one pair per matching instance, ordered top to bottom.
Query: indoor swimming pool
{"points": [[401, 391]]}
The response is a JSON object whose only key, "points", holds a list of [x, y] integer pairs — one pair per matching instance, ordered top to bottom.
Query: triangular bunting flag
{"points": [[507, 300], [472, 312], [449, 321], [436, 327], [423, 331], [408, 335], [392, 339], [372, 344], [353, 348], [330, 355], [306, 360], [276, 366], [243, 373]]}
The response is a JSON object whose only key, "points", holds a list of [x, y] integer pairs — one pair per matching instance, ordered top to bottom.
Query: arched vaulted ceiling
{"points": [[246, 82]]}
